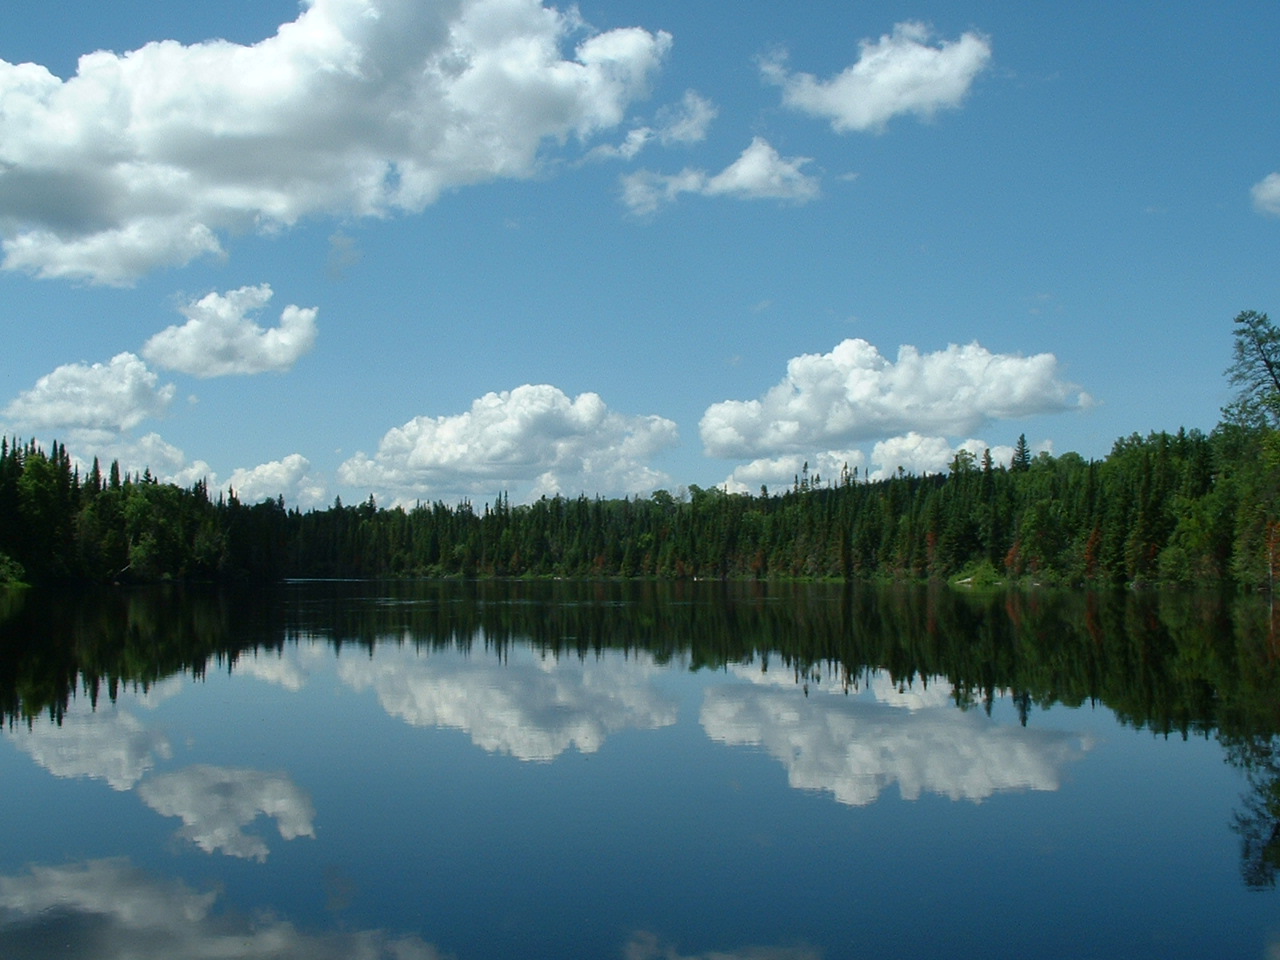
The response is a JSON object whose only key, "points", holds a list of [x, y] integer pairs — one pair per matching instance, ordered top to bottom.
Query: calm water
{"points": [[648, 772]]}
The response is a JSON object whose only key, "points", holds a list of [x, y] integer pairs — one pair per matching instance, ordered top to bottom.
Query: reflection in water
{"points": [[272, 666], [533, 670], [525, 705], [109, 744], [854, 748], [215, 803], [1258, 822], [110, 910], [645, 946]]}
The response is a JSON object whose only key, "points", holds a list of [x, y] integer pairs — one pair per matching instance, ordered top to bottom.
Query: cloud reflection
{"points": [[274, 667], [525, 706], [109, 744], [856, 747], [216, 803], [110, 910], [645, 946]]}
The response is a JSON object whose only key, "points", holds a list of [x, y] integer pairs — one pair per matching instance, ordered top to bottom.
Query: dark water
{"points": [[638, 771]]}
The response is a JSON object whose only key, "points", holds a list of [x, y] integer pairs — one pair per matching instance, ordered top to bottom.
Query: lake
{"points": [[639, 771]]}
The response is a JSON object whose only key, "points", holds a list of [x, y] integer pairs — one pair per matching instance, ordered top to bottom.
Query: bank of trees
{"points": [[1185, 507]]}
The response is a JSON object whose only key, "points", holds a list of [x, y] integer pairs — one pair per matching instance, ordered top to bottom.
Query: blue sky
{"points": [[433, 250]]}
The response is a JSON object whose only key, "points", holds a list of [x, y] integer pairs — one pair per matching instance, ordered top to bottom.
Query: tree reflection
{"points": [[1173, 663], [1258, 820]]}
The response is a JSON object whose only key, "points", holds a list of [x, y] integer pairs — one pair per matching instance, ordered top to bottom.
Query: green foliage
{"points": [[1255, 370], [1179, 507], [11, 571], [981, 576]]}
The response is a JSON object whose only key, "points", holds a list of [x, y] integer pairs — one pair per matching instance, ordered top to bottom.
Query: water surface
{"points": [[636, 771]]}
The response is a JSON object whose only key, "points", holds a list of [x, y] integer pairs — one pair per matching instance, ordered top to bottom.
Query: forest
{"points": [[1165, 508]]}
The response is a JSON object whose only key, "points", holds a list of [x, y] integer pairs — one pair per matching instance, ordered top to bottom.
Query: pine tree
{"points": [[1021, 455]]}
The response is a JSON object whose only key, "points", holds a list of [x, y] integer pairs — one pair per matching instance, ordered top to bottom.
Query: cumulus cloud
{"points": [[902, 72], [356, 108], [759, 173], [1266, 194], [220, 338], [853, 393], [103, 398], [95, 408], [534, 438], [911, 452], [917, 454], [167, 463], [781, 472], [290, 478], [523, 706], [856, 747], [216, 803], [110, 910]]}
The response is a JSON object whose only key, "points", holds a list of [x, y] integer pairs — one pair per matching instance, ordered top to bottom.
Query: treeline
{"points": [[1166, 508]]}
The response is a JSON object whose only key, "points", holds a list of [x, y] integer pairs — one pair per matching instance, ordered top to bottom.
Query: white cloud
{"points": [[900, 73], [357, 108], [687, 122], [682, 124], [635, 141], [759, 173], [644, 191], [1266, 194], [219, 337], [115, 396], [828, 401], [534, 437], [152, 452], [912, 452], [920, 455], [780, 473], [290, 478], [525, 706], [855, 747], [216, 803], [110, 910]]}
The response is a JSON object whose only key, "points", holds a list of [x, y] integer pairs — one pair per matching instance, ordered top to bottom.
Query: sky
{"points": [[450, 249]]}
